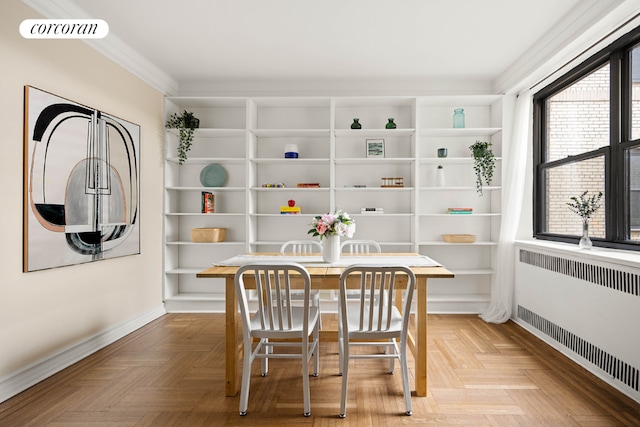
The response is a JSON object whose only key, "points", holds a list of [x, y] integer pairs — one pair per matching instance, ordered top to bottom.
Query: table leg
{"points": [[421, 337], [232, 343]]}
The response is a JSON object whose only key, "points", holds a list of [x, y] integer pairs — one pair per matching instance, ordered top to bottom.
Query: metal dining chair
{"points": [[298, 247], [301, 247], [360, 247], [376, 317], [276, 318]]}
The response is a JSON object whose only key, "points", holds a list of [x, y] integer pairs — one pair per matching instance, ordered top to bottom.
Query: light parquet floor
{"points": [[171, 373]]}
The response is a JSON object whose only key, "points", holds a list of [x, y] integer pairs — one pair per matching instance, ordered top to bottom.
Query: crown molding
{"points": [[576, 33], [111, 46]]}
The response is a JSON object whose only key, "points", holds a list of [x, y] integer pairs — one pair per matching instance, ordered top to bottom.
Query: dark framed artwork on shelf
{"points": [[375, 147]]}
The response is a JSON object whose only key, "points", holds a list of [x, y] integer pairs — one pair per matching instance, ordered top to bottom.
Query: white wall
{"points": [[45, 312]]}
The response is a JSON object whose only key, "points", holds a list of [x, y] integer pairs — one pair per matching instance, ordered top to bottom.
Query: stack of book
{"points": [[308, 185], [207, 202], [290, 210], [371, 211], [458, 211]]}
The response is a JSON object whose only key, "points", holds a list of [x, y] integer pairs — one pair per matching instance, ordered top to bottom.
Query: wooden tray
{"points": [[459, 238]]}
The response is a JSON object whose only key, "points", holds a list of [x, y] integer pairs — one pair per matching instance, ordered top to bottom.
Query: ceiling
{"points": [[192, 41]]}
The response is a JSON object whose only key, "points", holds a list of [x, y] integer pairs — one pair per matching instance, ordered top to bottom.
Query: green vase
{"points": [[356, 124], [390, 124]]}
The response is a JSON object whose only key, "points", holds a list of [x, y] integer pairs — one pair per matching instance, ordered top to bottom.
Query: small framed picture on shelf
{"points": [[375, 147]]}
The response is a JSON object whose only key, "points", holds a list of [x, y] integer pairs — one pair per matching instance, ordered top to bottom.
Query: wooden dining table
{"points": [[326, 277]]}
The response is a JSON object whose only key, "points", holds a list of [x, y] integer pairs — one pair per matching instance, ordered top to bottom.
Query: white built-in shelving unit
{"points": [[247, 136]]}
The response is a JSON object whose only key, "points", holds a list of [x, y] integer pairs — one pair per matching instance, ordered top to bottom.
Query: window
{"points": [[587, 138]]}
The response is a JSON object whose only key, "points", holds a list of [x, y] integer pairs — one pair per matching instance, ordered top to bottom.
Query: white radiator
{"points": [[588, 309]]}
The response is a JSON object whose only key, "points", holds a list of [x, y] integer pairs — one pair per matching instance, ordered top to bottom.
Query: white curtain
{"points": [[513, 186]]}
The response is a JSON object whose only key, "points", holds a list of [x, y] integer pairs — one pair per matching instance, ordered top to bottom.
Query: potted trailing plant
{"points": [[185, 122], [484, 162], [585, 206]]}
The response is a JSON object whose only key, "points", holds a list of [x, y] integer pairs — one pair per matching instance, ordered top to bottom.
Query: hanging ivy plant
{"points": [[185, 122], [484, 163]]}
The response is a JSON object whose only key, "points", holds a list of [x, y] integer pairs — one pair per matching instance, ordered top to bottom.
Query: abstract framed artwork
{"points": [[81, 183]]}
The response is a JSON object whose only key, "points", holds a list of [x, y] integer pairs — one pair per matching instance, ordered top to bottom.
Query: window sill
{"points": [[611, 256]]}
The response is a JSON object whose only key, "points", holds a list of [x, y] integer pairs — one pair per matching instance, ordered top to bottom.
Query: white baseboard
{"points": [[30, 375]]}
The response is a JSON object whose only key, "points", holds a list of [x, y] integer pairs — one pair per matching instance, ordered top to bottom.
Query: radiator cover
{"points": [[587, 309]]}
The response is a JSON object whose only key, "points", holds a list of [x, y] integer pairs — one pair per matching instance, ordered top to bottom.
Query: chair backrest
{"points": [[360, 246], [301, 247], [273, 288], [377, 293]]}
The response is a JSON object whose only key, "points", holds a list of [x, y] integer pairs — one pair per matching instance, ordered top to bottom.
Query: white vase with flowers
{"points": [[329, 228]]}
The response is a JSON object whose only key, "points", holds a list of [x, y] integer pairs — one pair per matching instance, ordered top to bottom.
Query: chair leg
{"points": [[316, 303], [340, 342], [384, 348], [316, 353], [392, 360], [265, 362], [345, 376], [305, 377], [246, 378], [405, 381]]}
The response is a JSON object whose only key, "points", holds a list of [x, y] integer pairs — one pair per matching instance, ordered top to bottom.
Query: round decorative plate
{"points": [[213, 175]]}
